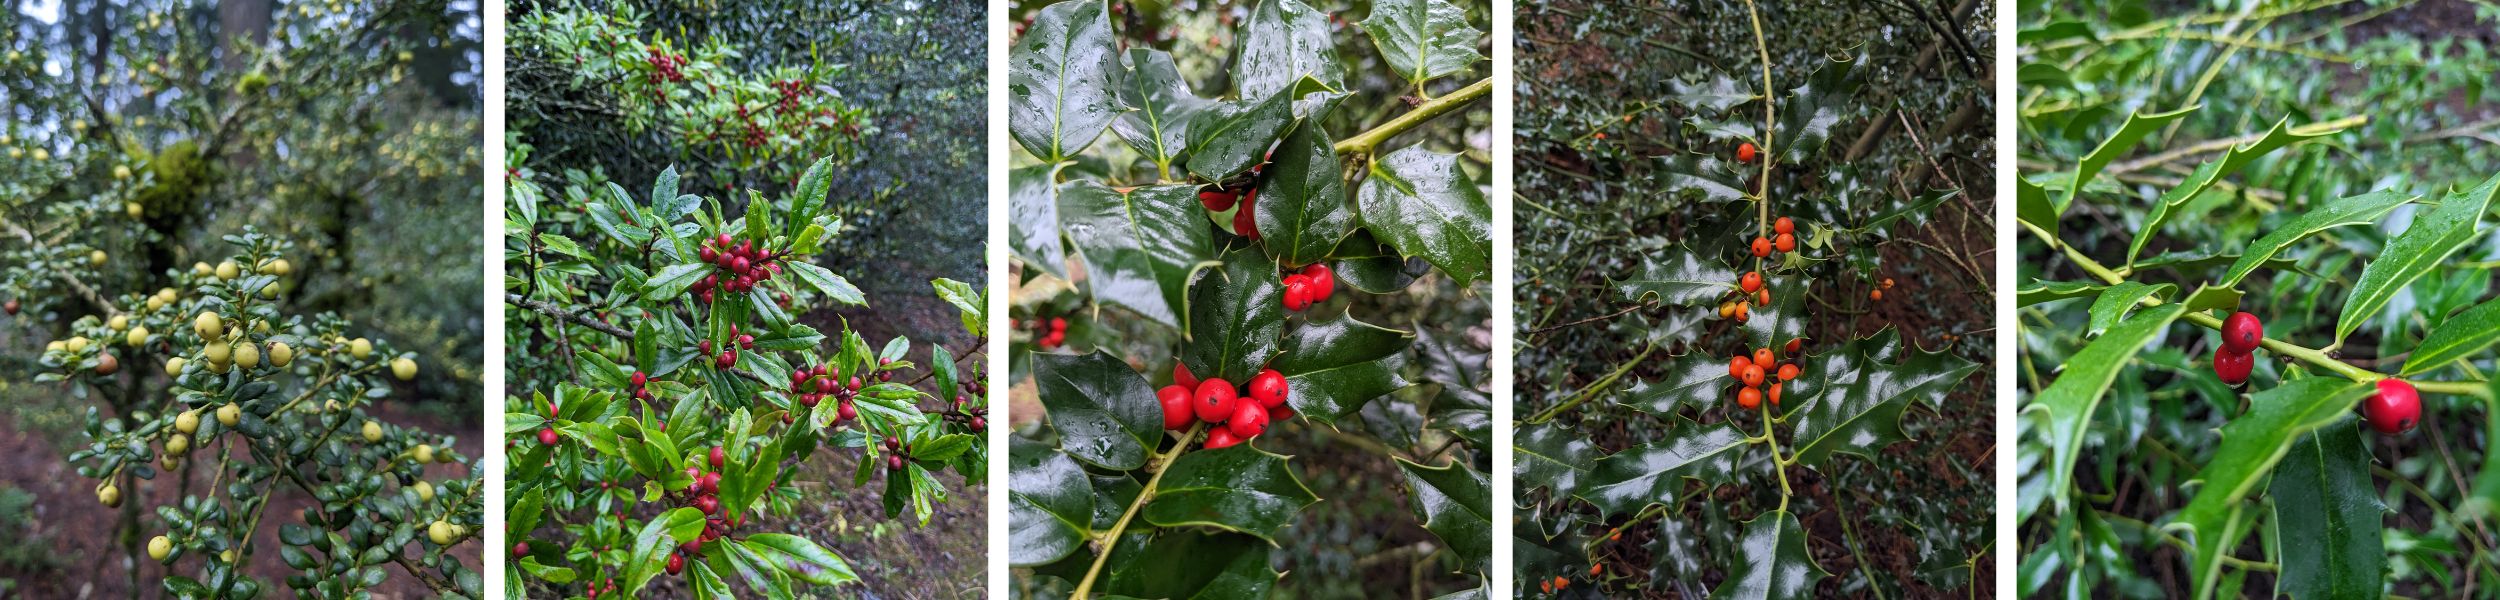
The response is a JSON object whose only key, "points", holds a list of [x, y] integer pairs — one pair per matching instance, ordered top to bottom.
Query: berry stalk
{"points": [[1161, 464]]}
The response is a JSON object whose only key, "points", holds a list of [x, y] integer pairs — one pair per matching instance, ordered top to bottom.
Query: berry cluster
{"points": [[665, 67], [792, 91], [1220, 199], [1784, 239], [742, 262], [1311, 286], [1750, 292], [1877, 294], [1050, 335], [728, 357], [2236, 357], [1762, 367], [634, 386], [811, 386], [1234, 416], [894, 451], [704, 495]]}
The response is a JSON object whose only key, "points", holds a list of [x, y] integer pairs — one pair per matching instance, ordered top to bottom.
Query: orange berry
{"points": [[1784, 225], [1786, 242], [1761, 247], [1750, 282], [1888, 283], [1875, 294], [1764, 298], [1762, 357], [1736, 366], [1788, 372], [1752, 376], [1775, 394], [1749, 398], [1561, 582]]}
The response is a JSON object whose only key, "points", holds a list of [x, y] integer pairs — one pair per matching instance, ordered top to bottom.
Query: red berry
{"points": [[1745, 153], [1216, 200], [1244, 222], [1783, 225], [722, 241], [1785, 243], [1761, 247], [707, 254], [1323, 281], [1751, 282], [1297, 293], [2241, 332], [703, 346], [1796, 347], [728, 358], [1762, 358], [1736, 366], [2233, 367], [1787, 372], [1752, 376], [1182, 377], [640, 379], [1268, 387], [1774, 394], [1749, 398], [1214, 401], [2395, 409], [1177, 412], [1280, 412], [847, 413], [1248, 421], [547, 436], [1221, 437], [718, 457], [894, 462], [711, 483], [707, 504], [520, 549], [676, 563]]}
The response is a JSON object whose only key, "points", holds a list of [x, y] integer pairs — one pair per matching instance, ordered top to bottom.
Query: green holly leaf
{"points": [[1423, 39], [1282, 42], [1059, 80], [1162, 104], [1811, 110], [1227, 138], [2213, 171], [1713, 179], [1425, 205], [2355, 210], [1302, 213], [1033, 218], [2434, 237], [1138, 247], [1679, 277], [1235, 317], [2460, 336], [1335, 364], [1695, 379], [1864, 385], [1105, 414], [1552, 456], [1651, 473], [1239, 489], [1455, 503], [1050, 504], [2328, 515], [2216, 519], [800, 558], [1771, 563], [1219, 565]]}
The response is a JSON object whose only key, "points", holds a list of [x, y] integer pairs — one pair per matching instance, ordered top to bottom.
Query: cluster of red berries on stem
{"points": [[665, 67], [791, 91], [1245, 222], [1784, 239], [741, 261], [1313, 285], [1750, 291], [1051, 334], [728, 357], [2236, 357], [1762, 367], [635, 386], [812, 386], [1232, 415], [971, 416], [547, 435], [894, 451], [704, 495]]}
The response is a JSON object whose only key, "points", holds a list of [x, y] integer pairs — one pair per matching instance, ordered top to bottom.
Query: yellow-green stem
{"points": [[1365, 142], [1161, 464]]}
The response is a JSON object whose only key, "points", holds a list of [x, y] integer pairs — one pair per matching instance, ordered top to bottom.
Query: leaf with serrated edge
{"points": [[1422, 39], [1282, 42], [1059, 80], [2138, 125], [1158, 127], [1227, 138], [2213, 171], [1424, 204], [2355, 210], [1302, 213], [2434, 237], [1138, 247], [1679, 277], [2045, 291], [2119, 299], [1235, 318], [2460, 336], [1334, 364], [1692, 379], [1863, 394], [2065, 408], [1105, 414], [2251, 445], [1553, 457], [1651, 473], [1239, 488], [1454, 503], [2327, 511], [1774, 562]]}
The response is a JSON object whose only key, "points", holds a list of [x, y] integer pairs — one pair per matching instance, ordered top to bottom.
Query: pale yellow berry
{"points": [[123, 171], [134, 210], [96, 258], [275, 266], [202, 268], [228, 271], [156, 304], [119, 323], [209, 325], [138, 336], [76, 344], [56, 346], [361, 348], [219, 354], [280, 354], [247, 355], [173, 366], [404, 368], [229, 415], [188, 421], [373, 432], [178, 445], [423, 454], [168, 463], [425, 491], [109, 495], [442, 532], [160, 547]]}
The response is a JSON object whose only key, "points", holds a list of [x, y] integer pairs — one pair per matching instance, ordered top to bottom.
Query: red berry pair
{"points": [[1784, 239], [1311, 286], [1052, 334], [2240, 336], [634, 386], [1238, 415], [895, 449]]}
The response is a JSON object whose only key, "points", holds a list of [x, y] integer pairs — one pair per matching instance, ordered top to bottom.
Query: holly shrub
{"points": [[184, 201], [1190, 295], [2255, 304], [1742, 368], [677, 393]]}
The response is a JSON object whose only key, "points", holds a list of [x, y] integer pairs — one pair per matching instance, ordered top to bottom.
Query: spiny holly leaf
{"points": [[1422, 39], [1282, 42], [1059, 80], [1712, 95], [1163, 105], [1811, 110], [2138, 125], [1227, 138], [2213, 171], [1714, 179], [1425, 205], [2031, 205], [2355, 210], [1302, 212], [1033, 222], [2433, 238], [1138, 247], [1679, 277], [2044, 291], [2118, 300], [1235, 317], [1785, 318], [2460, 336], [1334, 364], [1693, 378], [1864, 389], [1465, 405], [2063, 411], [1105, 414], [2251, 445], [1552, 456], [1651, 473], [1240, 489], [1455, 503], [1050, 504], [2327, 511], [1774, 563], [1219, 565]]}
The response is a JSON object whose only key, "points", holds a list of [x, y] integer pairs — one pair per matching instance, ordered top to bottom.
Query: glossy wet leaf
{"points": [[1422, 39], [1282, 42], [1059, 80], [1714, 94], [1160, 103], [1811, 110], [2138, 125], [1227, 138], [2239, 156], [1713, 179], [1425, 205], [1302, 209], [2355, 210], [1033, 218], [2434, 236], [1138, 247], [1679, 277], [2045, 291], [2120, 299], [1236, 314], [1785, 318], [2466, 334], [1334, 364], [1693, 379], [1865, 385], [2064, 410], [1106, 415], [2251, 446], [1552, 456], [1651, 473], [1240, 489], [1454, 503], [1050, 504], [2327, 514], [801, 558], [1772, 562], [1221, 565]]}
